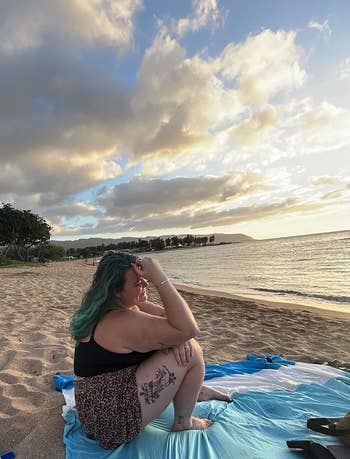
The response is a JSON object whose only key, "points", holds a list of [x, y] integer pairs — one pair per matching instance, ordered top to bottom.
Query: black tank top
{"points": [[91, 359]]}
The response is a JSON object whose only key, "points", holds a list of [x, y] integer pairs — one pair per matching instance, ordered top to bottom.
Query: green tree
{"points": [[22, 229], [188, 240], [175, 241], [143, 244], [157, 244], [45, 252], [71, 252]]}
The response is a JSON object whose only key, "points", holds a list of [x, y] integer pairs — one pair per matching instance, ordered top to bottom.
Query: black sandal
{"points": [[327, 426], [314, 450]]}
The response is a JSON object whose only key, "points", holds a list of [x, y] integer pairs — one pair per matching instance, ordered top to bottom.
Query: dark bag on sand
{"points": [[336, 427], [317, 451]]}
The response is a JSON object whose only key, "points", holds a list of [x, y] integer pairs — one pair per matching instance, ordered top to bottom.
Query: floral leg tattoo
{"points": [[150, 391]]}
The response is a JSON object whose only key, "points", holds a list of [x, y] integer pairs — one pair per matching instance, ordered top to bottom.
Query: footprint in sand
{"points": [[35, 336], [5, 358], [30, 366], [8, 378], [18, 397]]}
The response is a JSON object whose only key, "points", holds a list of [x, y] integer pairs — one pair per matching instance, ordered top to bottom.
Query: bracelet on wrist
{"points": [[165, 281]]}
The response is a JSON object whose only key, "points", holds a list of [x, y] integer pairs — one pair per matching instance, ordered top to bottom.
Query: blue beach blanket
{"points": [[272, 400]]}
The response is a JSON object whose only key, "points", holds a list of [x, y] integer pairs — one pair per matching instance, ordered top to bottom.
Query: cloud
{"points": [[205, 13], [29, 23], [322, 27], [264, 65], [344, 69], [177, 101], [65, 104], [185, 105], [60, 107], [66, 120], [59, 127], [320, 127], [256, 128], [295, 128], [58, 175], [325, 180], [336, 186], [333, 194], [137, 198], [255, 212], [192, 219], [66, 230]]}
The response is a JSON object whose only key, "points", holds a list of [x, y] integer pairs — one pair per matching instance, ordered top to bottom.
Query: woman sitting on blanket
{"points": [[134, 357]]}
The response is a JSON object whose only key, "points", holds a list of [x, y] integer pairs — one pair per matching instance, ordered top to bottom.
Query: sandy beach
{"points": [[36, 304]]}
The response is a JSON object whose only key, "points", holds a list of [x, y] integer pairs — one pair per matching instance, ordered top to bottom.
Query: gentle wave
{"points": [[314, 269], [337, 299]]}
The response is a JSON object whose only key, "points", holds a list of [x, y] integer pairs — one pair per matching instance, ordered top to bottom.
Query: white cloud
{"points": [[205, 13], [29, 23], [321, 26], [264, 65], [344, 69], [178, 101], [187, 107], [72, 113], [64, 122], [257, 127], [317, 127], [295, 128], [325, 180], [336, 194]]}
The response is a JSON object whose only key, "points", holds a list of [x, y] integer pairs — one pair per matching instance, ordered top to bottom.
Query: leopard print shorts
{"points": [[108, 407]]}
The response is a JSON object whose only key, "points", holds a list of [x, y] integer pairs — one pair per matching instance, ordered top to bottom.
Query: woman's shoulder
{"points": [[117, 316], [111, 329]]}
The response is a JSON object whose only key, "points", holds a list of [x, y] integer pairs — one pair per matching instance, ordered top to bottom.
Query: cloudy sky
{"points": [[134, 118]]}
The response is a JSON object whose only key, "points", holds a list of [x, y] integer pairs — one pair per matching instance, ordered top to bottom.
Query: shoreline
{"points": [[266, 303]]}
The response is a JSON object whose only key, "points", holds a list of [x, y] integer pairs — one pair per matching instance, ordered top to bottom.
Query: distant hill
{"points": [[95, 241]]}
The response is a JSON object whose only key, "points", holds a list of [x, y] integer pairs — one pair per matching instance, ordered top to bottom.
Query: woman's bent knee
{"points": [[197, 351], [196, 356], [160, 376]]}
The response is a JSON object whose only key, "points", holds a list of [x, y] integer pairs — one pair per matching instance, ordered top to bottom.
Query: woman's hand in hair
{"points": [[150, 269]]}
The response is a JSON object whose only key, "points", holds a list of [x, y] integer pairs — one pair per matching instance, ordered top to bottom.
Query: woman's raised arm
{"points": [[177, 311]]}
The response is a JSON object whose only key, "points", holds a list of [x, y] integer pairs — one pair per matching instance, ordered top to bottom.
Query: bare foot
{"points": [[208, 393], [192, 424]]}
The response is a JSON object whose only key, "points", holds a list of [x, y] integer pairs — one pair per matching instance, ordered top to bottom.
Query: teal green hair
{"points": [[109, 278]]}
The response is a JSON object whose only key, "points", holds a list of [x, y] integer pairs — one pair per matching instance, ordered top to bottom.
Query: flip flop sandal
{"points": [[327, 426], [314, 450]]}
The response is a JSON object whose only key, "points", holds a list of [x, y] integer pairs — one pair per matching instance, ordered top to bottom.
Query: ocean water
{"points": [[313, 270]]}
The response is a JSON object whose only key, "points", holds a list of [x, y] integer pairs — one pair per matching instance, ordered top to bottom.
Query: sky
{"points": [[138, 118]]}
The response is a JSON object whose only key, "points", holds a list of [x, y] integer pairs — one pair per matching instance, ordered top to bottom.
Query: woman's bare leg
{"points": [[161, 380], [186, 398]]}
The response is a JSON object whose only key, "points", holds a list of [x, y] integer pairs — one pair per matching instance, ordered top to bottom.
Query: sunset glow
{"points": [[131, 118]]}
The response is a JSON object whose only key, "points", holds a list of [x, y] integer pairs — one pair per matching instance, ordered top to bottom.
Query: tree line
{"points": [[25, 236], [141, 245]]}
